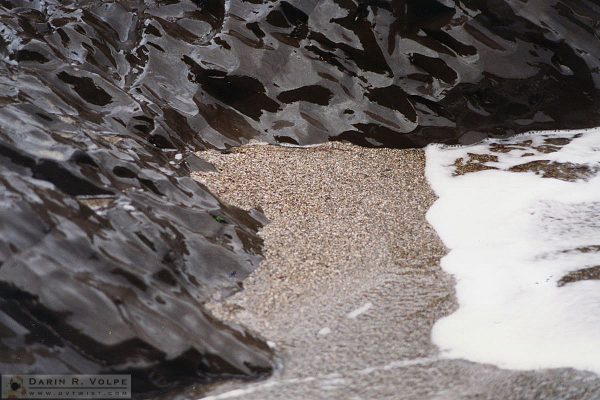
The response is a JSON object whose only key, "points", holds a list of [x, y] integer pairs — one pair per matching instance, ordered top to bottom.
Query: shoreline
{"points": [[351, 284]]}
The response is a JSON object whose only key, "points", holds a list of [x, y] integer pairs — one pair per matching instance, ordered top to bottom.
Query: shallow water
{"points": [[521, 220], [108, 248]]}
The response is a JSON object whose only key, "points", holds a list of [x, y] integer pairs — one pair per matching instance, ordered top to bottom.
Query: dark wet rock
{"points": [[195, 163], [108, 249], [96, 283]]}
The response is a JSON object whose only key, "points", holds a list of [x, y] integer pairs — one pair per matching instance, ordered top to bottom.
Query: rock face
{"points": [[108, 249]]}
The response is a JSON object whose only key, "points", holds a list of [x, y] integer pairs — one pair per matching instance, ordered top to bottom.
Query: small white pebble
{"points": [[360, 310], [324, 331]]}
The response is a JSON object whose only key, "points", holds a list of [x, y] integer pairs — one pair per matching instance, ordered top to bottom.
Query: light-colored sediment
{"points": [[351, 284]]}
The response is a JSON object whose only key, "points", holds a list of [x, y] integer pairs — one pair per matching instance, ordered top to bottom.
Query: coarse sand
{"points": [[351, 285]]}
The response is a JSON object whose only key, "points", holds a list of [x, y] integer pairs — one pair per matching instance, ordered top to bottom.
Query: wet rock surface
{"points": [[108, 249]]}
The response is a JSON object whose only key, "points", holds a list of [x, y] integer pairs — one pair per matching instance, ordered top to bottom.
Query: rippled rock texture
{"points": [[108, 249]]}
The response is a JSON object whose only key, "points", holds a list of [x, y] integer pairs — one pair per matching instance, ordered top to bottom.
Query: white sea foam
{"points": [[512, 236]]}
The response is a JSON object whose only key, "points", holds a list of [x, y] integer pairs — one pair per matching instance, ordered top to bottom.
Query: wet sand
{"points": [[351, 284]]}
